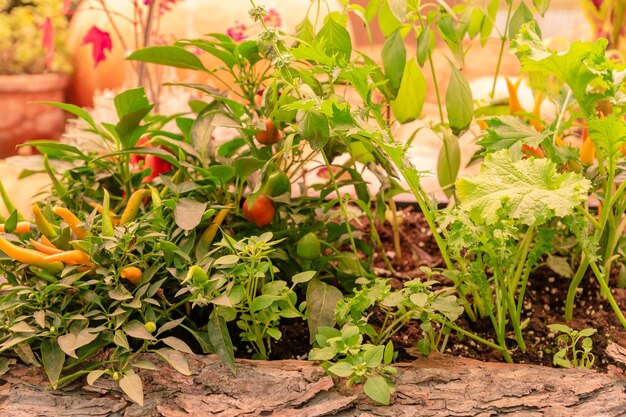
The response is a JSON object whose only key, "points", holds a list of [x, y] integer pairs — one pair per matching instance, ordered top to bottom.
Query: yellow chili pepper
{"points": [[514, 104], [132, 208], [72, 221], [107, 222], [42, 223], [21, 227], [209, 234], [44, 248], [29, 256], [71, 257], [131, 273]]}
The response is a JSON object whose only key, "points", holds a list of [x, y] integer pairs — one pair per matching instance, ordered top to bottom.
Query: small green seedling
{"points": [[574, 347]]}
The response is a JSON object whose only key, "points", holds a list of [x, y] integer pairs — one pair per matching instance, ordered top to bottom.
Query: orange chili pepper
{"points": [[514, 104], [536, 123], [588, 148], [531, 151], [100, 208], [72, 221], [21, 227], [47, 242], [44, 248], [29, 256], [71, 257], [131, 273]]}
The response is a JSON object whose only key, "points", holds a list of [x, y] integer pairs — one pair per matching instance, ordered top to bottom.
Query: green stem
{"points": [[501, 53], [434, 75], [342, 207], [607, 291]]}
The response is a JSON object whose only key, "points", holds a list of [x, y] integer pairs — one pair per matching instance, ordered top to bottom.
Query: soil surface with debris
{"points": [[544, 305]]}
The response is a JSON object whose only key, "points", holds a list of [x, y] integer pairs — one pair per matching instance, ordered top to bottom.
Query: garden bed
{"points": [[437, 386]]}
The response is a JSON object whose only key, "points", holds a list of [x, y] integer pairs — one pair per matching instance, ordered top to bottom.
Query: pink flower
{"points": [[272, 18], [237, 32], [47, 40], [100, 41]]}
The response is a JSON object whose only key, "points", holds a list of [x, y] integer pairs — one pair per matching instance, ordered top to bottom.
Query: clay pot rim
{"points": [[33, 82]]}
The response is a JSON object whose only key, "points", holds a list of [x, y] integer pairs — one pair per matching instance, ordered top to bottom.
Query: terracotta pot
{"points": [[20, 119]]}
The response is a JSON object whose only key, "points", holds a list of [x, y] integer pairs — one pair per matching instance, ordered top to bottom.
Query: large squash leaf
{"points": [[529, 190]]}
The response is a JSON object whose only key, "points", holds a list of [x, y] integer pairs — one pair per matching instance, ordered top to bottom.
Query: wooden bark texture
{"points": [[437, 386]]}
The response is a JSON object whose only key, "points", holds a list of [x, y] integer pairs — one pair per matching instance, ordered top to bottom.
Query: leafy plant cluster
{"points": [[164, 233]]}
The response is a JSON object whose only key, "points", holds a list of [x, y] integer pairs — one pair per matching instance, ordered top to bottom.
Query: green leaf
{"points": [[542, 6], [399, 9], [521, 16], [386, 20], [489, 21], [305, 30], [337, 40], [425, 45], [172, 56], [394, 59], [576, 67], [412, 93], [130, 101], [459, 101], [75, 110], [313, 127], [509, 132], [609, 135], [448, 163], [244, 167], [529, 190], [188, 213], [11, 223], [560, 265], [303, 277], [321, 300], [262, 302], [136, 329], [220, 339], [177, 344], [389, 353], [322, 354], [374, 356], [53, 359], [176, 359], [5, 363], [342, 369], [93, 376], [132, 386], [378, 389]]}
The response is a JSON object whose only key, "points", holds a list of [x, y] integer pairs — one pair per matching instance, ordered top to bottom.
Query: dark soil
{"points": [[545, 300]]}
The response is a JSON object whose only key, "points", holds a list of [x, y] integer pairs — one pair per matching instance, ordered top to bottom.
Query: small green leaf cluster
{"points": [[574, 347], [346, 356]]}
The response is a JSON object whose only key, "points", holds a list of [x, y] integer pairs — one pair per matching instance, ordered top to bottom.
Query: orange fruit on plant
{"points": [[270, 135], [262, 211]]}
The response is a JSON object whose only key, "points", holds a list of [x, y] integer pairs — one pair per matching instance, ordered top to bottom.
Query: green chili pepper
{"points": [[107, 223]]}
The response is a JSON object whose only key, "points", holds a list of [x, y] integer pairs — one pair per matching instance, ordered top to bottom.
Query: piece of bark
{"points": [[437, 386]]}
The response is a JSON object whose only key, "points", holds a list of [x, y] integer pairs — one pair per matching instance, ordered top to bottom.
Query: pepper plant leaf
{"points": [[529, 190]]}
